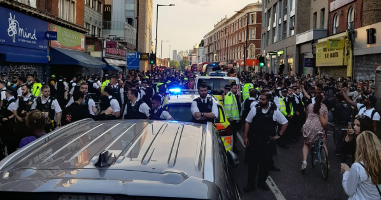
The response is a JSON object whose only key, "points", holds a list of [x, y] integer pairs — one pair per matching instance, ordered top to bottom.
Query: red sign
{"points": [[117, 52]]}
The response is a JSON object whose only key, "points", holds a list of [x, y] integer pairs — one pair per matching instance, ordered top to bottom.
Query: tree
{"points": [[183, 63], [174, 64]]}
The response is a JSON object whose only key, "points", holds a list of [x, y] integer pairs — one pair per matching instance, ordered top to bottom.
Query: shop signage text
{"points": [[17, 29], [51, 35], [68, 39], [116, 52], [328, 57]]}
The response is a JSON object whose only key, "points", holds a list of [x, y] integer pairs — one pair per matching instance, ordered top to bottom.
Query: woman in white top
{"points": [[363, 179]]}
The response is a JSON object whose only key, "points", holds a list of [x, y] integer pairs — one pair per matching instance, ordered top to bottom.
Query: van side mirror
{"points": [[232, 158]]}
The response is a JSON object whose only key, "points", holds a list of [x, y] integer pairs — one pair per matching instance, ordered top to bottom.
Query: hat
{"points": [[3, 74], [106, 75], [15, 76], [53, 76], [114, 76], [147, 77], [185, 79], [145, 81], [227, 87], [284, 89], [11, 90]]}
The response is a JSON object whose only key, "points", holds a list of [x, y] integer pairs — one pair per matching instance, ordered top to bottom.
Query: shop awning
{"points": [[24, 55], [70, 57], [116, 65], [113, 68]]}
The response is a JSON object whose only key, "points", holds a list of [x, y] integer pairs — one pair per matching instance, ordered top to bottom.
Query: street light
{"points": [[157, 21], [161, 51]]}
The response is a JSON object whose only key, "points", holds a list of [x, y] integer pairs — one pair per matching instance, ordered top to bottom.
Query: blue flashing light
{"points": [[214, 64], [175, 90]]}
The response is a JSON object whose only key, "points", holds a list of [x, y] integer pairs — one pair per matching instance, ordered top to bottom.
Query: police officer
{"points": [[4, 78], [14, 81], [105, 83], [35, 87], [93, 88], [246, 88], [3, 90], [116, 90], [147, 92], [88, 103], [249, 103], [114, 104], [22, 106], [50, 107], [232, 107], [134, 108], [203, 108], [286, 110], [157, 112], [7, 121], [259, 135]]}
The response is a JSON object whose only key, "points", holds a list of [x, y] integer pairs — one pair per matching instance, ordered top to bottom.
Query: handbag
{"points": [[371, 177]]}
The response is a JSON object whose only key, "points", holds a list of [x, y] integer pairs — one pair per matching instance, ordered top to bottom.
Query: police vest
{"points": [[104, 84], [91, 87], [36, 89], [246, 90], [116, 93], [147, 97], [25, 105], [231, 106], [46, 107], [246, 107], [204, 108], [133, 111], [4, 112], [156, 116], [263, 126]]}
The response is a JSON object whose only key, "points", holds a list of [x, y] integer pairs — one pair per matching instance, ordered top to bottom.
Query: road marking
{"points": [[270, 182], [278, 195]]}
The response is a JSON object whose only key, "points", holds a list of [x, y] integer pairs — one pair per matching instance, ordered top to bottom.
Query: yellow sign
{"points": [[107, 8], [328, 57]]}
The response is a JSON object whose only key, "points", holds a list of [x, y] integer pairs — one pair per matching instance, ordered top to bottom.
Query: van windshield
{"points": [[216, 85]]}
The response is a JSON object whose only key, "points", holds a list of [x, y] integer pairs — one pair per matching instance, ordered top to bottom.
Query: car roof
{"points": [[187, 98], [151, 157]]}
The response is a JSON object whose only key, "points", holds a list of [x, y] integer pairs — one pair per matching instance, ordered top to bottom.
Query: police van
{"points": [[216, 85]]}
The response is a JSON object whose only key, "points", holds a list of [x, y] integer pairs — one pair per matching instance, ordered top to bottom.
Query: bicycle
{"points": [[319, 155]]}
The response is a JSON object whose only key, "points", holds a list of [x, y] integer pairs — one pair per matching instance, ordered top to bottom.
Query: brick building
{"points": [[227, 42]]}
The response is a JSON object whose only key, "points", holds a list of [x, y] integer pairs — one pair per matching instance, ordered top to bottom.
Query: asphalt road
{"points": [[290, 183]]}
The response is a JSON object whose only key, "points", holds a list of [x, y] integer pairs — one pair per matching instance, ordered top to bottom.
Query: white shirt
{"points": [[64, 83], [95, 85], [71, 91], [19, 93], [120, 93], [2, 94], [91, 104], [114, 104], [11, 105], [252, 105], [16, 106], [55, 106], [143, 108], [195, 109], [368, 113], [164, 115], [277, 116], [357, 185]]}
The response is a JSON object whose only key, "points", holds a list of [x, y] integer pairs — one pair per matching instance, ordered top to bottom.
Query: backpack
{"points": [[373, 112]]}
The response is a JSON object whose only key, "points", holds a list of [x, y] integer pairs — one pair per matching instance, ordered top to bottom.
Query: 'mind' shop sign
{"points": [[17, 29]]}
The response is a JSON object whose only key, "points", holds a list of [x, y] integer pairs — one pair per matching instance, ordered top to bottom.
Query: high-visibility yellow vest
{"points": [[104, 84], [157, 86], [36, 89], [245, 90], [231, 106], [283, 107]]}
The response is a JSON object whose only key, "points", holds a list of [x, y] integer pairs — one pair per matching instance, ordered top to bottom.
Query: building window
{"points": [[87, 2], [94, 4], [291, 5], [99, 7], [60, 8], [66, 10], [280, 10], [72, 13], [322, 17], [253, 18], [351, 18], [264, 20], [315, 21], [335, 24], [292, 25], [87, 26], [284, 29], [93, 30], [253, 33], [274, 35], [268, 38], [252, 51]]}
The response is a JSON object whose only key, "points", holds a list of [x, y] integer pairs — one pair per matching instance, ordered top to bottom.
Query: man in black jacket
{"points": [[75, 111]]}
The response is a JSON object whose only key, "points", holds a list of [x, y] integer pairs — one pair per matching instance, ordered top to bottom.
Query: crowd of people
{"points": [[273, 110]]}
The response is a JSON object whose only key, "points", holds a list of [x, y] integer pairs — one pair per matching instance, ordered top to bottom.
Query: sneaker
{"points": [[304, 166]]}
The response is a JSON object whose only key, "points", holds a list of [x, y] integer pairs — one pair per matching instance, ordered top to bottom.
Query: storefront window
{"points": [[290, 66]]}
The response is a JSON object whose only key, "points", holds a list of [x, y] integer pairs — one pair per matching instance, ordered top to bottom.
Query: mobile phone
{"points": [[349, 124]]}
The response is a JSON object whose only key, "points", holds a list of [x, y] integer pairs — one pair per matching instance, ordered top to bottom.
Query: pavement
{"points": [[290, 183]]}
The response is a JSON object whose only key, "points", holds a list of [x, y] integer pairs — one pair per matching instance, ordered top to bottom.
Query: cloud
{"points": [[201, 2]]}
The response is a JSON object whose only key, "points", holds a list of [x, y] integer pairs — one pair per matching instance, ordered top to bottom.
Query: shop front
{"points": [[23, 47], [333, 56], [68, 57], [115, 58]]}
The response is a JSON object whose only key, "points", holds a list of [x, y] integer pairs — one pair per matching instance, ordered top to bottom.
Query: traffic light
{"points": [[152, 59], [261, 61]]}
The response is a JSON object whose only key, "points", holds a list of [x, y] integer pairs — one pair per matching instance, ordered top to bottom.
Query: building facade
{"points": [[145, 31], [234, 37]]}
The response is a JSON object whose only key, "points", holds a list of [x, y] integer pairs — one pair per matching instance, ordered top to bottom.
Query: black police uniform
{"points": [[92, 90], [60, 92], [116, 93], [147, 97], [47, 107], [204, 108], [247, 108], [133, 111], [156, 116], [8, 126], [21, 129], [261, 147]]}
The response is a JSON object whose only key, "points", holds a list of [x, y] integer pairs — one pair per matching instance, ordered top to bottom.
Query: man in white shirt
{"points": [[3, 90], [355, 95], [88, 101], [113, 102], [50, 107], [135, 109], [204, 109], [366, 109], [157, 112]]}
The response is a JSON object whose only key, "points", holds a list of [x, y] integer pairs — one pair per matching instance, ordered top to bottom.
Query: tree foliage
{"points": [[184, 63], [174, 64]]}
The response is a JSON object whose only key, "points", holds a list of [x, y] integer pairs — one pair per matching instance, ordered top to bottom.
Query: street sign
{"points": [[51, 35], [144, 56], [132, 60]]}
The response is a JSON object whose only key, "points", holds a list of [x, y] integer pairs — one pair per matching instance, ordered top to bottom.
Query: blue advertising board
{"points": [[17, 29], [51, 35], [132, 60]]}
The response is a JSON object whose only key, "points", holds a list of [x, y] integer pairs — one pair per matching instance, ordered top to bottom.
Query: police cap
{"points": [[3, 74], [145, 81], [227, 87], [284, 89], [11, 90]]}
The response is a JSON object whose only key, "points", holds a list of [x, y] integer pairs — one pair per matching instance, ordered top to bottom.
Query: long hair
{"points": [[317, 106], [366, 124], [368, 150]]}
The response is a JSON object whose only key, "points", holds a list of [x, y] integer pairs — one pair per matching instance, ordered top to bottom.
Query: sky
{"points": [[185, 24]]}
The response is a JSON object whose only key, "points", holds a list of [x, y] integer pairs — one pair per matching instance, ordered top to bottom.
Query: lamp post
{"points": [[157, 22]]}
